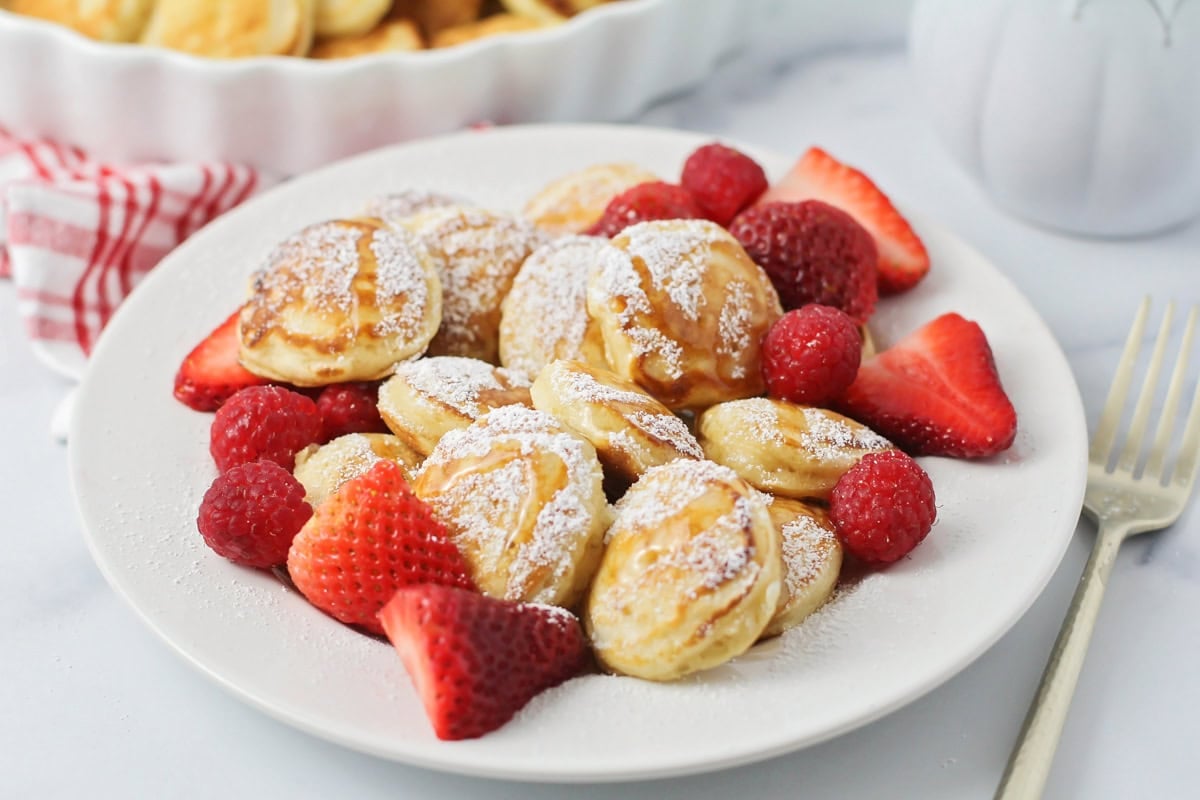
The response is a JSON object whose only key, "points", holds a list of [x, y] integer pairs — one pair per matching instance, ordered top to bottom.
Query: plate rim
{"points": [[1073, 491]]}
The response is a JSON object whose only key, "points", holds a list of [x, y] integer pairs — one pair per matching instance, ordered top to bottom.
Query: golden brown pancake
{"points": [[344, 300]]}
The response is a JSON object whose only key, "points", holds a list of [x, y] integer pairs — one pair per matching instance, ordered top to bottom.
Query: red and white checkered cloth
{"points": [[76, 235]]}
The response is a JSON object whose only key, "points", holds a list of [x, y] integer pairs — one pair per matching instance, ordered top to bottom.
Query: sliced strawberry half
{"points": [[903, 261], [211, 373], [936, 392], [368, 539], [476, 661]]}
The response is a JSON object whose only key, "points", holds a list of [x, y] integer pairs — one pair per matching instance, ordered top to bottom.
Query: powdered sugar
{"points": [[394, 208], [481, 252], [676, 255], [322, 261], [399, 274], [546, 310], [733, 326], [457, 382], [641, 410], [761, 418], [828, 437], [666, 491], [480, 504], [806, 545], [708, 556]]}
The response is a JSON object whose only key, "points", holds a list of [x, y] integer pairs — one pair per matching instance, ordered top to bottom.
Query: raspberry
{"points": [[723, 181], [645, 202], [813, 253], [811, 355], [349, 408], [263, 422], [883, 507], [252, 512]]}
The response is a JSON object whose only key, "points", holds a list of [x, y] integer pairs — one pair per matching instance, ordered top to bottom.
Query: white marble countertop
{"points": [[95, 705]]}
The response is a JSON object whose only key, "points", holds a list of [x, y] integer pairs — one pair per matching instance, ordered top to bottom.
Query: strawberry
{"points": [[813, 253], [903, 260], [210, 374], [936, 392], [368, 539], [475, 660]]}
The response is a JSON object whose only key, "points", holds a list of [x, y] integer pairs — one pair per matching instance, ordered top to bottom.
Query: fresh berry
{"points": [[723, 181], [643, 203], [813, 253], [903, 260], [810, 356], [210, 374], [936, 392], [349, 408], [267, 422], [883, 507], [252, 512], [368, 539], [475, 660]]}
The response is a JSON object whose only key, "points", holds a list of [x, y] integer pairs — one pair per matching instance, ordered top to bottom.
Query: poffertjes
{"points": [[344, 300], [522, 498], [691, 574]]}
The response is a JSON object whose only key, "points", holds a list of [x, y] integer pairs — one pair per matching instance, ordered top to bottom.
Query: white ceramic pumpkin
{"points": [[1079, 114]]}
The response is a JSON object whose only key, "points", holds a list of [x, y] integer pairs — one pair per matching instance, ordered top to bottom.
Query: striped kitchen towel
{"points": [[77, 234]]}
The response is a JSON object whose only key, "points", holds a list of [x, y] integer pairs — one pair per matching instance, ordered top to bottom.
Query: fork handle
{"points": [[1029, 765]]}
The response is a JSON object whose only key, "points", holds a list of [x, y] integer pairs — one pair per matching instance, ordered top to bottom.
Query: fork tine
{"points": [[1141, 411], [1106, 429], [1158, 451], [1184, 473]]}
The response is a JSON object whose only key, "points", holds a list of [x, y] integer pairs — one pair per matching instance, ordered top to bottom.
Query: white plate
{"points": [[139, 463]]}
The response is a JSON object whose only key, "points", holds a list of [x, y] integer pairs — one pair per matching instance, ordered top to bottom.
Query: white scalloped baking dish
{"points": [[286, 115]]}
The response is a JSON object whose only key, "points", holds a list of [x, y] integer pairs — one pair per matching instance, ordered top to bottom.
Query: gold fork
{"points": [[1123, 501]]}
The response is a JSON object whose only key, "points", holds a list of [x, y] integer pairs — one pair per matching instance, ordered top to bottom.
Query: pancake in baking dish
{"points": [[432, 16], [348, 17], [106, 20], [232, 28], [484, 28], [399, 35], [480, 253], [344, 300], [683, 310], [544, 316], [429, 397], [786, 449], [522, 500], [690, 576]]}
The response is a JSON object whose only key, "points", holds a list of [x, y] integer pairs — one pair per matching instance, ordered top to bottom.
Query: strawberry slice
{"points": [[903, 261], [211, 374], [936, 392], [368, 539], [475, 660]]}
